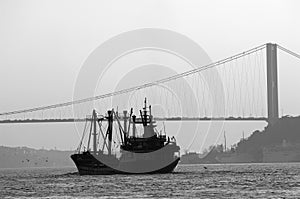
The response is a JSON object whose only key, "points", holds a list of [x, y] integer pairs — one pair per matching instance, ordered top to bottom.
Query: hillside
{"points": [[286, 130], [18, 157]]}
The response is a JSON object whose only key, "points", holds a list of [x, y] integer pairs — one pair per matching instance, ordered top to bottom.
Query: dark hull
{"points": [[87, 164]]}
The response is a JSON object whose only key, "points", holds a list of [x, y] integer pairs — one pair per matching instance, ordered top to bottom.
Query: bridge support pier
{"points": [[272, 83]]}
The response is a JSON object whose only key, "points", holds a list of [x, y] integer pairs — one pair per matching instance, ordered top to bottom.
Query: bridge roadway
{"points": [[157, 119]]}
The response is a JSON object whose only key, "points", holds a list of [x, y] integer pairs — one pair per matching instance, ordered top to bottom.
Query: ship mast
{"points": [[109, 129], [95, 132]]}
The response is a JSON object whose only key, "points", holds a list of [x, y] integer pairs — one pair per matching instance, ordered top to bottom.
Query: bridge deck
{"points": [[157, 119]]}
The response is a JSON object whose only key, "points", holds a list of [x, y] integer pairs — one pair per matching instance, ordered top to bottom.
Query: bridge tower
{"points": [[272, 83]]}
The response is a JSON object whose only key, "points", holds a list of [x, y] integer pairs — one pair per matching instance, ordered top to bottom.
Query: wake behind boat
{"points": [[139, 152]]}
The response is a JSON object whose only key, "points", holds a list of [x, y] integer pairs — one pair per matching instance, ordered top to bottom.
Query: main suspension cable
{"points": [[289, 51], [184, 74]]}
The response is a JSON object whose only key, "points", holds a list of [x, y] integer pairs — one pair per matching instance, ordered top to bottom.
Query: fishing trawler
{"points": [[148, 151]]}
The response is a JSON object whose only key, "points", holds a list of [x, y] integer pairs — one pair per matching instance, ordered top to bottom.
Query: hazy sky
{"points": [[44, 43]]}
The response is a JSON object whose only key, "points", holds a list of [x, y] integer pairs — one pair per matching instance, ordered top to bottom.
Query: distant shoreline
{"points": [[25, 157]]}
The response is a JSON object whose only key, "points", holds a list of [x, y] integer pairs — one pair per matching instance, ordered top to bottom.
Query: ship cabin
{"points": [[150, 140]]}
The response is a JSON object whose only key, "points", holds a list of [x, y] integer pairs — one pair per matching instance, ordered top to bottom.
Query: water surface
{"points": [[188, 181]]}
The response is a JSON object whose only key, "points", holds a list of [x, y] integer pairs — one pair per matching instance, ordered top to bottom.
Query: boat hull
{"points": [[87, 164]]}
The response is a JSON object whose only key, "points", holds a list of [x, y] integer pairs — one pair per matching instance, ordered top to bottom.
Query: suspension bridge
{"points": [[245, 87]]}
